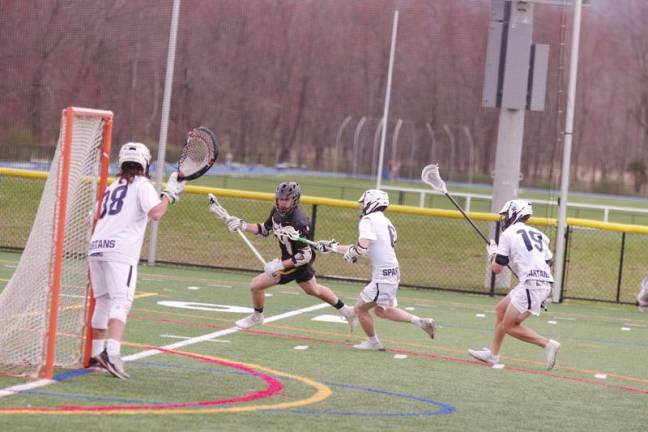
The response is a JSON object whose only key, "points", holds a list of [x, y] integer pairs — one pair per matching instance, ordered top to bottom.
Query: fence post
{"points": [[401, 197], [313, 221], [565, 261], [492, 281], [618, 293]]}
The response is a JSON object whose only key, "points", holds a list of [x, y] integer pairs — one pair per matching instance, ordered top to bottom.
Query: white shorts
{"points": [[115, 279], [383, 294], [528, 296]]}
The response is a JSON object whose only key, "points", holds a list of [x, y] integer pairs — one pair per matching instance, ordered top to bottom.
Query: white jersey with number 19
{"points": [[119, 232], [382, 234], [528, 252]]}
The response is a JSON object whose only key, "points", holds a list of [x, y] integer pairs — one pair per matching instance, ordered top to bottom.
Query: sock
{"points": [[339, 305], [258, 310], [416, 321], [374, 339], [98, 345], [113, 347]]}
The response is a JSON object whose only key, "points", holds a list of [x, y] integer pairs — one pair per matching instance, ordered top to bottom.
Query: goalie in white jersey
{"points": [[377, 239], [115, 249], [526, 250]]}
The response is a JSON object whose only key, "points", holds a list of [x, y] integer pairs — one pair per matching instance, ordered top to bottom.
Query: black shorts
{"points": [[299, 274]]}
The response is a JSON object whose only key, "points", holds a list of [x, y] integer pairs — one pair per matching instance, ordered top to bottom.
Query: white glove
{"points": [[173, 188], [233, 223], [326, 246], [491, 249], [351, 254], [272, 267]]}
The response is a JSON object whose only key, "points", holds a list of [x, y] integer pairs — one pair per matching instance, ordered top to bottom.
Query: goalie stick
{"points": [[221, 213]]}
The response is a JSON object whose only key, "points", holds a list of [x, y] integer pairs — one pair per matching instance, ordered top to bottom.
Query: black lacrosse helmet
{"points": [[287, 190]]}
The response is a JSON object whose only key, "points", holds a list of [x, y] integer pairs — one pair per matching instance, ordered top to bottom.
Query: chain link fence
{"points": [[436, 248]]}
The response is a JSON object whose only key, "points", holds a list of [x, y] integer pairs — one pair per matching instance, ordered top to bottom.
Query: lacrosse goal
{"points": [[45, 306]]}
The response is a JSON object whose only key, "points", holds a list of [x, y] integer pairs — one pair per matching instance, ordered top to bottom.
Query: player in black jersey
{"points": [[296, 257]]}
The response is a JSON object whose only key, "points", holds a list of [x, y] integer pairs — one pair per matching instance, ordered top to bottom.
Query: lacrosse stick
{"points": [[198, 154], [430, 176], [221, 213], [293, 234]]}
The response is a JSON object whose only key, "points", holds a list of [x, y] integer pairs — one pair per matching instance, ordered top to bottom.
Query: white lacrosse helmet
{"points": [[135, 152], [372, 200], [514, 211]]}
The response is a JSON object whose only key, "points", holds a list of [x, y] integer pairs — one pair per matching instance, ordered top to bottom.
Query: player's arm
{"points": [[158, 211], [362, 242], [500, 255]]}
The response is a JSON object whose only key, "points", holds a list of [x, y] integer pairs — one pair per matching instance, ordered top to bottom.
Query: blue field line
{"points": [[560, 337], [443, 408]]}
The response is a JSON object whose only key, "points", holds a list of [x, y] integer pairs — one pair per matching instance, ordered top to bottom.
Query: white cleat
{"points": [[252, 320], [429, 326], [367, 345], [551, 352], [485, 355], [113, 364]]}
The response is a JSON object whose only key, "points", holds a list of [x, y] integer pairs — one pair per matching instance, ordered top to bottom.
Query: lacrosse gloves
{"points": [[173, 188], [233, 223], [326, 246], [355, 252], [272, 267]]}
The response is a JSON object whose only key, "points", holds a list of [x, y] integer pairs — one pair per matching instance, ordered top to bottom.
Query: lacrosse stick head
{"points": [[431, 176], [216, 208], [288, 232]]}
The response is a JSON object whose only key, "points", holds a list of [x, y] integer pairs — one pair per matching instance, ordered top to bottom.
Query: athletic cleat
{"points": [[252, 320], [429, 326], [370, 346], [551, 352], [485, 355], [94, 363], [113, 364]]}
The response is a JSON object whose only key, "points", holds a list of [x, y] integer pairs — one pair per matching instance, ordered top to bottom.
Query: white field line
{"points": [[8, 391]]}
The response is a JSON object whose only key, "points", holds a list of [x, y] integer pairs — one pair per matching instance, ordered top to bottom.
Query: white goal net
{"points": [[43, 307]]}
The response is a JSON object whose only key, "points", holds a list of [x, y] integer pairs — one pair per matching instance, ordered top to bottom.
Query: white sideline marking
{"points": [[193, 288], [410, 308], [480, 315], [330, 318], [552, 322], [634, 325], [625, 329], [168, 336], [301, 347], [400, 356], [498, 366], [600, 376], [8, 391]]}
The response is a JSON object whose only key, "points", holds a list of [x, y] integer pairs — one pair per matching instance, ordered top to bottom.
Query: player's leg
{"points": [[305, 277], [121, 280], [258, 285], [642, 297], [101, 310], [399, 315], [372, 343], [485, 354]]}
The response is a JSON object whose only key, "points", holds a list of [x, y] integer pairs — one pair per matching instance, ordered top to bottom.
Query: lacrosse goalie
{"points": [[376, 240], [115, 249], [526, 249], [296, 259]]}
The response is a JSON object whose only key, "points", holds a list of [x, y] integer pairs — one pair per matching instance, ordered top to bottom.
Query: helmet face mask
{"points": [[135, 152], [287, 190], [373, 200], [514, 211]]}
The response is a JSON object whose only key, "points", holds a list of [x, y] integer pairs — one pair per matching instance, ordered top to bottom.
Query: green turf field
{"points": [[298, 371]]}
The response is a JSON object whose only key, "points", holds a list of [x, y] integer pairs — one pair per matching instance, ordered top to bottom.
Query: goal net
{"points": [[43, 308]]}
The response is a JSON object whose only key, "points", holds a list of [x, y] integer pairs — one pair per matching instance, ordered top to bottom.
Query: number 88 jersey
{"points": [[123, 215], [527, 250]]}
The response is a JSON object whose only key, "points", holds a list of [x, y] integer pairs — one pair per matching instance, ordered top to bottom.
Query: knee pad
{"points": [[119, 308], [101, 311]]}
